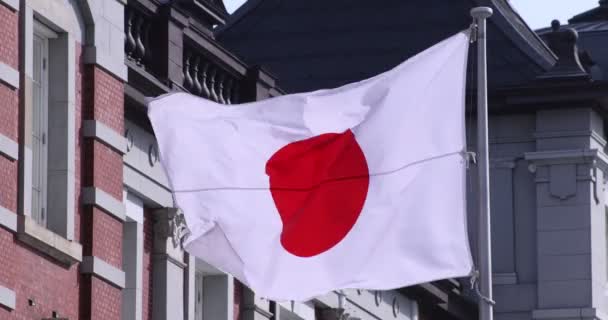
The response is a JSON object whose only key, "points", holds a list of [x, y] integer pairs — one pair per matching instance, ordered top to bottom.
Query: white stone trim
{"points": [[11, 4], [60, 16], [67, 21], [105, 42], [93, 56], [9, 75], [105, 134], [9, 148], [564, 156], [577, 156], [145, 188], [101, 199], [8, 219], [54, 245], [133, 250], [95, 266], [190, 284], [8, 298], [568, 313]]}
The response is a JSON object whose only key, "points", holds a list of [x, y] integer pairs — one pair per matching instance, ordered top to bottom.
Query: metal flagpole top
{"points": [[481, 12]]}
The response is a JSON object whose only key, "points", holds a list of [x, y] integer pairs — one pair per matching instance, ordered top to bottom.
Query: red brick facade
{"points": [[9, 52], [9, 107], [103, 170], [147, 265], [42, 285]]}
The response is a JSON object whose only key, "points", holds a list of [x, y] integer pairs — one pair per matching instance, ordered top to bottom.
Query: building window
{"points": [[40, 113], [49, 189], [213, 292]]}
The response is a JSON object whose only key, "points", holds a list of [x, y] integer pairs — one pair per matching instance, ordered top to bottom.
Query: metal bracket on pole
{"points": [[480, 16], [473, 32], [475, 287]]}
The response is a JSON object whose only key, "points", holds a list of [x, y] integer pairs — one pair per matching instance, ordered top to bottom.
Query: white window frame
{"points": [[54, 234], [132, 251], [198, 295]]}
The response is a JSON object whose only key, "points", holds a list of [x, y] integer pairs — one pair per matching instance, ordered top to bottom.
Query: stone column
{"points": [[571, 216], [133, 248], [169, 266]]}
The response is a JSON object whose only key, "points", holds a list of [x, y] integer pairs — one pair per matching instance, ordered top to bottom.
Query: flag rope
{"points": [[464, 154]]}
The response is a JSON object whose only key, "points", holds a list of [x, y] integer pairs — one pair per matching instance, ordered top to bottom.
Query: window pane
{"points": [[39, 125]]}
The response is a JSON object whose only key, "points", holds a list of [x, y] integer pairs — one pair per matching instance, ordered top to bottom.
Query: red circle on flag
{"points": [[319, 186]]}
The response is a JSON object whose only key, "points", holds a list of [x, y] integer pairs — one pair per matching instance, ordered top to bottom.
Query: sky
{"points": [[537, 13]]}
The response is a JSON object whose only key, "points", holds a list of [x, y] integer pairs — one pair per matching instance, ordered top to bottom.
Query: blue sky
{"points": [[537, 13]]}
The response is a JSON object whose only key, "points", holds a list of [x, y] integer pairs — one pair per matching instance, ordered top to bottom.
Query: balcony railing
{"points": [[137, 35], [168, 48], [206, 79]]}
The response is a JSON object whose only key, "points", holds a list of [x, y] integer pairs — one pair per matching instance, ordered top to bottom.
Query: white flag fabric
{"points": [[362, 186]]}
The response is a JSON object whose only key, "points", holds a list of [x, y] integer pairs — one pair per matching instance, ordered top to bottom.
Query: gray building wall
{"points": [[548, 213]]}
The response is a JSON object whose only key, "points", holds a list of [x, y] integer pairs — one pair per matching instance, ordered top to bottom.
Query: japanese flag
{"points": [[362, 186]]}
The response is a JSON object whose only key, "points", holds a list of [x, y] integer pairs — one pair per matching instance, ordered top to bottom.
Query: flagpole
{"points": [[480, 15]]}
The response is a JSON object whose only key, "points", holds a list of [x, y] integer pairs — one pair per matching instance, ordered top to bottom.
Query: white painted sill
{"points": [[40, 238]]}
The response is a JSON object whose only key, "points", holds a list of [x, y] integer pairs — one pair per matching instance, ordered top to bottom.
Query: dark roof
{"points": [[326, 43]]}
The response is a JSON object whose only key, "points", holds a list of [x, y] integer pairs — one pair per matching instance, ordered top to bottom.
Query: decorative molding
{"points": [[11, 4], [9, 75], [105, 134], [571, 134], [130, 139], [9, 148], [142, 155], [153, 156], [576, 156], [563, 170], [146, 188], [97, 197], [8, 219], [172, 225], [44, 240], [96, 266], [504, 278], [377, 297], [8, 298], [396, 307], [569, 313]]}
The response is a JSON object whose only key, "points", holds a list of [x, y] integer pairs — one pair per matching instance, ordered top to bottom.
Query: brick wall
{"points": [[9, 53], [107, 92], [9, 107], [102, 169], [107, 175], [107, 238], [147, 264], [52, 287], [238, 293]]}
